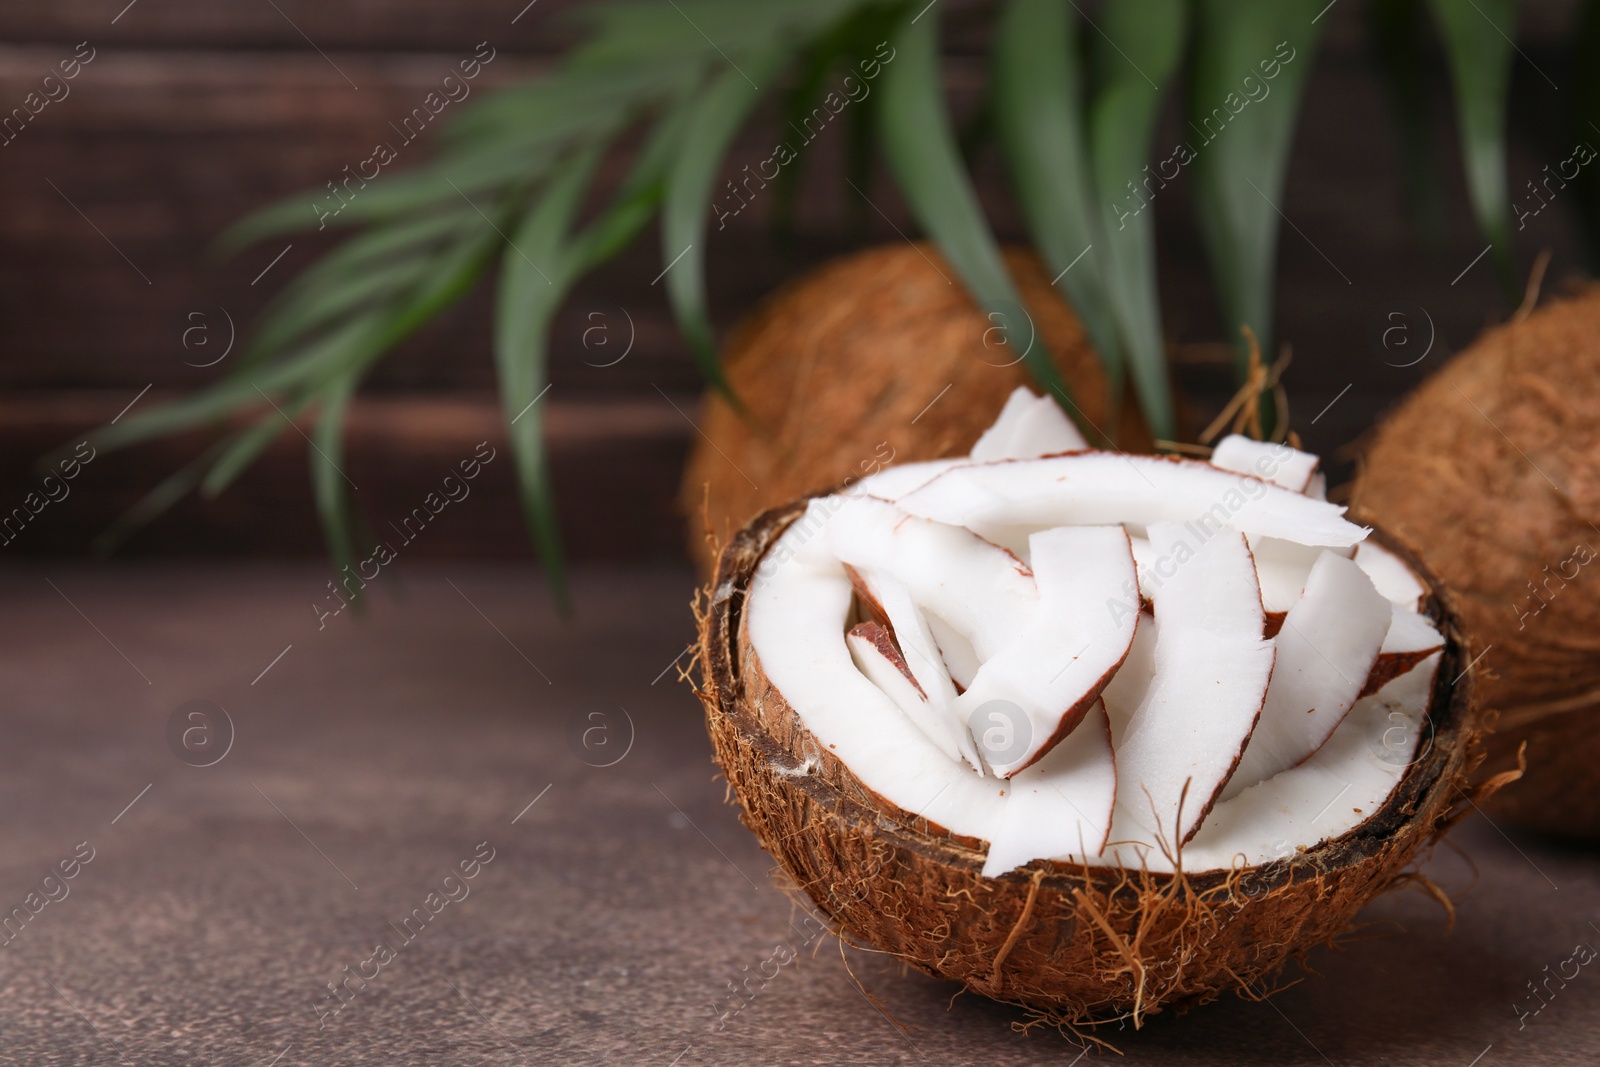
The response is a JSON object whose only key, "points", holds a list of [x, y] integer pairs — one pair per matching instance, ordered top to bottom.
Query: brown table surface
{"points": [[378, 752]]}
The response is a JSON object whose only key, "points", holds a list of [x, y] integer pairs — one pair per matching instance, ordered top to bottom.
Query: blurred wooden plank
{"points": [[298, 25], [541, 26], [114, 196], [615, 463]]}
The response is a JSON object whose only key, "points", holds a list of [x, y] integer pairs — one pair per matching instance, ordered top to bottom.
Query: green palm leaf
{"points": [[1477, 39], [1136, 54], [1039, 112], [709, 129], [1242, 143], [921, 150]]}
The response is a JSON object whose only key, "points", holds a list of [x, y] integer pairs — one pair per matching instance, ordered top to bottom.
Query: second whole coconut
{"points": [[880, 357], [1491, 470]]}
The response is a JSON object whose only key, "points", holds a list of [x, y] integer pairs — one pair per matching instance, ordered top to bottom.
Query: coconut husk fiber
{"points": [[838, 371], [1491, 469], [1075, 946]]}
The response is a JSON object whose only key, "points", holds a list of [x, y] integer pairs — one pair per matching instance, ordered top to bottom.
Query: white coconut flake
{"points": [[1029, 426], [1271, 461], [891, 483], [1101, 488], [1390, 575], [979, 589], [796, 622], [1410, 632], [872, 648], [1326, 649], [1066, 653], [919, 655], [960, 658], [1176, 747], [1331, 793], [1059, 808]]}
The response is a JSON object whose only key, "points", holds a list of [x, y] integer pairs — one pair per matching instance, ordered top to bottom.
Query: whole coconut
{"points": [[877, 357], [1491, 470], [1076, 945]]}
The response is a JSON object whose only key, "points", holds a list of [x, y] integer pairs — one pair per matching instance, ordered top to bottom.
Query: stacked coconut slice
{"points": [[1101, 658]]}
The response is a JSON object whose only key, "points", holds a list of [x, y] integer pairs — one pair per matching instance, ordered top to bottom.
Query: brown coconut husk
{"points": [[876, 357], [1492, 469], [1076, 946]]}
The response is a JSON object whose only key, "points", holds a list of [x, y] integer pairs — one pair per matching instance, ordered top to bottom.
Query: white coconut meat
{"points": [[1029, 426], [1271, 461], [891, 483], [1100, 488], [1390, 575], [976, 587], [796, 621], [1090, 632], [1411, 639], [1326, 648], [874, 651], [960, 658], [906, 665], [1210, 667], [1046, 678], [1329, 794], [1061, 806]]}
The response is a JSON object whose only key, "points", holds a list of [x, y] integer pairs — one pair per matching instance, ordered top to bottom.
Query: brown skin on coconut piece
{"points": [[836, 367], [1490, 470], [868, 603], [882, 641], [1391, 665], [1059, 939]]}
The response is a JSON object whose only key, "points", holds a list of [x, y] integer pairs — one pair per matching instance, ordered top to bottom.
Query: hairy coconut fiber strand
{"points": [[837, 367], [1491, 470], [1076, 945]]}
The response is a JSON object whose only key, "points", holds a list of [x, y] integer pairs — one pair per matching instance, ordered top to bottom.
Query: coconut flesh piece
{"points": [[1028, 426], [1268, 460], [891, 483], [1103, 488], [1282, 565], [1390, 575], [984, 592], [979, 603], [796, 619], [1411, 639], [1329, 642], [959, 655], [1057, 665], [914, 679], [1178, 736], [1347, 779], [1060, 806]]}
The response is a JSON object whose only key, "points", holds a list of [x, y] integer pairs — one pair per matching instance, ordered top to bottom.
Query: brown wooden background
{"points": [[194, 112]]}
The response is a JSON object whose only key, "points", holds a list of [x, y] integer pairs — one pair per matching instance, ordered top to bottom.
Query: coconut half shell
{"points": [[1075, 945]]}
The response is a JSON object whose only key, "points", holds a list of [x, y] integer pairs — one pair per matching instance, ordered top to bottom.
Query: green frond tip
{"points": [[1477, 37], [1252, 60], [1129, 84], [1039, 120], [709, 129], [920, 147], [331, 488], [155, 503]]}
